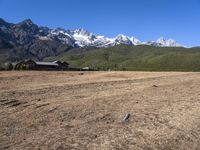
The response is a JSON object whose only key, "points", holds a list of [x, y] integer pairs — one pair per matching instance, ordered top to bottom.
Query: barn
{"points": [[43, 66]]}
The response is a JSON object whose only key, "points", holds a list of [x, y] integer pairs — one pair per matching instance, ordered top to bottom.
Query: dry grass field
{"points": [[85, 110]]}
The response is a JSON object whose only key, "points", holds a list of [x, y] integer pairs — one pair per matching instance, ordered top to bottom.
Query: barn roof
{"points": [[56, 62], [46, 63]]}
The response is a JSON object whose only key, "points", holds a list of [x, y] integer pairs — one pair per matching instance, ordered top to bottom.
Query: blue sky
{"points": [[144, 19]]}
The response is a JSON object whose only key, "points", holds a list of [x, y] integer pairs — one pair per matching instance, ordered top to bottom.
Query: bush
{"points": [[9, 66], [1, 67], [23, 67]]}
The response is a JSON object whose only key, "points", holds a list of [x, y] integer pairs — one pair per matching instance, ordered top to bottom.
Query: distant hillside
{"points": [[143, 57]]}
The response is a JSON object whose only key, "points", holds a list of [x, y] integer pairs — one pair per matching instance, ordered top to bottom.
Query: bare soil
{"points": [[85, 110]]}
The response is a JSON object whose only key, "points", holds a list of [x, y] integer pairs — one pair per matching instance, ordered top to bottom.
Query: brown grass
{"points": [[75, 110]]}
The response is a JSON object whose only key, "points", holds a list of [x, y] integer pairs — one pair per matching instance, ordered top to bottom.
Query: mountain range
{"points": [[28, 40]]}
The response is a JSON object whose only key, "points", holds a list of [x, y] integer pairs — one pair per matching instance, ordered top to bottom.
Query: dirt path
{"points": [[84, 110]]}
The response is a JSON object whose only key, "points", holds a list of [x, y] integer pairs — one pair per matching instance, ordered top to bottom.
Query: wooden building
{"points": [[46, 66]]}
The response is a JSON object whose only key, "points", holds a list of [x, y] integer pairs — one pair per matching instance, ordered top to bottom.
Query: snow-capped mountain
{"points": [[25, 31], [84, 38], [28, 40], [162, 42], [168, 42]]}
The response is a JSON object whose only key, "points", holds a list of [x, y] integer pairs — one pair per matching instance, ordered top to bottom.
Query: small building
{"points": [[38, 65], [87, 69]]}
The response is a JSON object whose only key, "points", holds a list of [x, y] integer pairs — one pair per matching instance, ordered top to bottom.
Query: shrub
{"points": [[9, 66], [2, 67]]}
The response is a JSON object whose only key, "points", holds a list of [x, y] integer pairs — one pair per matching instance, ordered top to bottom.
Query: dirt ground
{"points": [[85, 110]]}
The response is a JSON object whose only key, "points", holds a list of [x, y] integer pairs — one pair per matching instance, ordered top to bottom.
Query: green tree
{"points": [[9, 66], [1, 67]]}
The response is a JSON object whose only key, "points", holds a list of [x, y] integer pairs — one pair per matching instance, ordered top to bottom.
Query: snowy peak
{"points": [[82, 32], [83, 37], [122, 39], [135, 41], [162, 42], [167, 42]]}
